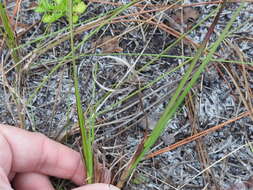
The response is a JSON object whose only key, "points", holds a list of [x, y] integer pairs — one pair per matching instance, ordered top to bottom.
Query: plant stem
{"points": [[86, 140]]}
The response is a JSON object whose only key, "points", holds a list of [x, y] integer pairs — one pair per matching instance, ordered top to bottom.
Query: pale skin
{"points": [[27, 159]]}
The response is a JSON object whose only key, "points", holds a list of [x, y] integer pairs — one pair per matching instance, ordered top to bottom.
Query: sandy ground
{"points": [[215, 99]]}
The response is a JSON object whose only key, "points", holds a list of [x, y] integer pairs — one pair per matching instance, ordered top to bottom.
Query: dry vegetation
{"points": [[126, 80]]}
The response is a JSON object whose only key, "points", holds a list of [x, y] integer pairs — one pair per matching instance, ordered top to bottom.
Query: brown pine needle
{"points": [[196, 136]]}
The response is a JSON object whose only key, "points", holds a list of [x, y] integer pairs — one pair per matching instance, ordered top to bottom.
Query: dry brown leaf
{"points": [[108, 44], [101, 173]]}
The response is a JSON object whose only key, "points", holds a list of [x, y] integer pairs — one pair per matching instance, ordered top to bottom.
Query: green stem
{"points": [[86, 140]]}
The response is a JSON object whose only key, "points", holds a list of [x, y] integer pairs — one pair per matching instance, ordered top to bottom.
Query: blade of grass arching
{"points": [[9, 34], [144, 87], [173, 106], [86, 140]]}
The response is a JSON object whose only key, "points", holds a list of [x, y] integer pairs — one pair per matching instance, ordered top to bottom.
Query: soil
{"points": [[216, 98]]}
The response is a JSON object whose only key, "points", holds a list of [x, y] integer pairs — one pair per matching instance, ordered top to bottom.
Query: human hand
{"points": [[26, 159]]}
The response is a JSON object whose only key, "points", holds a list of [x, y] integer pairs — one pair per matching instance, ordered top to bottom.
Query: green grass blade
{"points": [[86, 140]]}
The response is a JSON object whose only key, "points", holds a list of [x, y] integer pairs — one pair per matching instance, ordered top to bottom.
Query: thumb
{"points": [[97, 186]]}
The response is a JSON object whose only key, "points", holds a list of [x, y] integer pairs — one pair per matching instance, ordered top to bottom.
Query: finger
{"points": [[34, 152], [11, 175], [4, 181], [32, 181], [97, 186]]}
